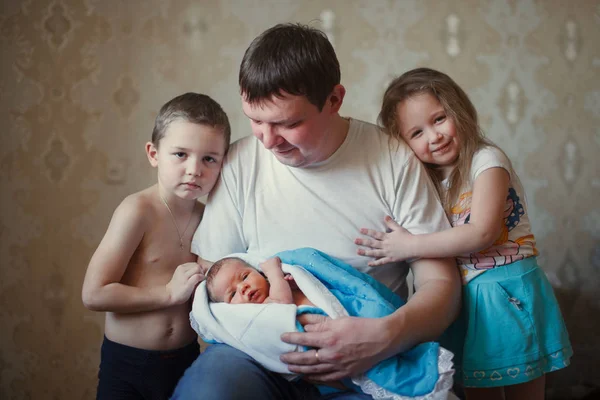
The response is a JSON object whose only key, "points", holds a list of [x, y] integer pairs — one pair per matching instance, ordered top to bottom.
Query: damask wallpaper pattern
{"points": [[81, 81]]}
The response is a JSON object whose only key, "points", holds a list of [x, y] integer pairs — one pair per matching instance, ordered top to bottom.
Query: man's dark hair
{"points": [[291, 58], [191, 107]]}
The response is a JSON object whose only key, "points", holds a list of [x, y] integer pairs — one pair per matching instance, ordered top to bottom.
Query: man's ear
{"points": [[336, 98], [151, 152]]}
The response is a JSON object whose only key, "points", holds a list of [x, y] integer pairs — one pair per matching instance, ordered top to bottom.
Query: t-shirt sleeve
{"points": [[486, 158], [418, 208], [220, 232]]}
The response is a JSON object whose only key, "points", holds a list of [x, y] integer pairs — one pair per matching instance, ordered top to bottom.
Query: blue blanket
{"points": [[411, 373]]}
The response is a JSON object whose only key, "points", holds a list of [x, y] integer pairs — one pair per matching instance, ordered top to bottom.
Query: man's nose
{"points": [[269, 136]]}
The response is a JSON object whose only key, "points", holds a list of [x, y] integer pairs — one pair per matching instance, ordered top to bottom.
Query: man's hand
{"points": [[388, 247], [185, 279], [346, 346]]}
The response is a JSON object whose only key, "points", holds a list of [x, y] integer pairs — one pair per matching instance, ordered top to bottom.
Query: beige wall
{"points": [[81, 81]]}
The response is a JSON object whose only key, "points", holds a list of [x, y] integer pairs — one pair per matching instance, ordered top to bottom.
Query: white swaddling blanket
{"points": [[256, 329]]}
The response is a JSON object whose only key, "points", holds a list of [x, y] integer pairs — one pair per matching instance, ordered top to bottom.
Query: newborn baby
{"points": [[232, 280], [268, 303]]}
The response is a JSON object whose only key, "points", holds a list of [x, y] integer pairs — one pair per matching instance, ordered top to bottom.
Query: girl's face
{"points": [[429, 132]]}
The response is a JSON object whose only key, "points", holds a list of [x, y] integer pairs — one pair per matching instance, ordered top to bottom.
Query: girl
{"points": [[511, 326]]}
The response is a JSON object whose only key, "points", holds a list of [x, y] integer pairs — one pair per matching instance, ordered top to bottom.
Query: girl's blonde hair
{"points": [[457, 106]]}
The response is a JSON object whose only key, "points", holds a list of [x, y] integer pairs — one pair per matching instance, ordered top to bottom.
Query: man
{"points": [[311, 178]]}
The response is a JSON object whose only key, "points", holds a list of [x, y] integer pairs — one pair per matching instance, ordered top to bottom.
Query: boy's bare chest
{"points": [[160, 253]]}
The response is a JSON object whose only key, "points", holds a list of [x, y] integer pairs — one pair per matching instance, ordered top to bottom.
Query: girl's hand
{"points": [[386, 247]]}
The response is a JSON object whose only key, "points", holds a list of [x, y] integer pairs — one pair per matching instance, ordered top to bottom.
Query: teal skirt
{"points": [[510, 329]]}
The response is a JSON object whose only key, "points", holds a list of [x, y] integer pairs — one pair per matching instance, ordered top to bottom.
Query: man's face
{"points": [[292, 128]]}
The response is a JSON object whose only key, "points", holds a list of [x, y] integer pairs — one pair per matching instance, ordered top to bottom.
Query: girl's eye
{"points": [[440, 118], [415, 134], [180, 154], [210, 159], [246, 275]]}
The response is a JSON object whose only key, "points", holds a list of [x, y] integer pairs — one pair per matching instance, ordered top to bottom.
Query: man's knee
{"points": [[222, 360], [222, 372]]}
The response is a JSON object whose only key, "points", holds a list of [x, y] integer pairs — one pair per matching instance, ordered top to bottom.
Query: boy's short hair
{"points": [[291, 58], [191, 107]]}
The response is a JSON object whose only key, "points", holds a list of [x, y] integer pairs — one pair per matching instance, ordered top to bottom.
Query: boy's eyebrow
{"points": [[177, 148]]}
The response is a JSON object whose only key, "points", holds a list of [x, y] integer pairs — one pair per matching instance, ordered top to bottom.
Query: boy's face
{"points": [[293, 129], [188, 158], [238, 283]]}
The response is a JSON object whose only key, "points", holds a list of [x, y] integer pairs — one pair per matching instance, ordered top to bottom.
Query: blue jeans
{"points": [[224, 373]]}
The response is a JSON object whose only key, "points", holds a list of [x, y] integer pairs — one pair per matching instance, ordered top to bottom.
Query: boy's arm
{"points": [[102, 289], [280, 291]]}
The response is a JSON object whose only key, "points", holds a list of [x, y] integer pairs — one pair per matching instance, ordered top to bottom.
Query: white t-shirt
{"points": [[262, 206], [516, 241]]}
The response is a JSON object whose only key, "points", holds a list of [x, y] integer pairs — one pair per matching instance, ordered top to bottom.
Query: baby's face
{"points": [[238, 283]]}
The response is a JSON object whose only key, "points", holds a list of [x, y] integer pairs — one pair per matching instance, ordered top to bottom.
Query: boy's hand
{"points": [[392, 246], [204, 264], [185, 279]]}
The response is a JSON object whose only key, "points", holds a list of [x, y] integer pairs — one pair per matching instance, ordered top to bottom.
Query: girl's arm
{"points": [[487, 215], [102, 287], [279, 291]]}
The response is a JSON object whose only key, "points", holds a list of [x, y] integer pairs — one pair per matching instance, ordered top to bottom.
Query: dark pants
{"points": [[130, 373], [224, 373]]}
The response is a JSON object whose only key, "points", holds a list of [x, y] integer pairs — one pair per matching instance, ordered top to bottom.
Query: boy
{"points": [[143, 273]]}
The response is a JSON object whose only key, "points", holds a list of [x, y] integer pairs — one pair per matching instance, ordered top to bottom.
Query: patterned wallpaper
{"points": [[81, 81]]}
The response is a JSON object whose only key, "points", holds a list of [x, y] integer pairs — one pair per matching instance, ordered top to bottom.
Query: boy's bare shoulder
{"points": [[140, 206]]}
